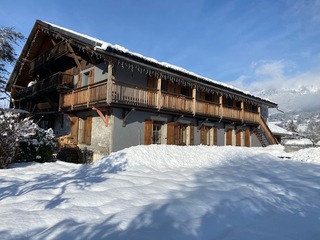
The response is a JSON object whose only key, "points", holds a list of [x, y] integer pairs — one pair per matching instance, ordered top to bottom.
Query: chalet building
{"points": [[106, 98]]}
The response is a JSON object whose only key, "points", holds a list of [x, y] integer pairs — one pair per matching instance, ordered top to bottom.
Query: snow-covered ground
{"points": [[166, 192]]}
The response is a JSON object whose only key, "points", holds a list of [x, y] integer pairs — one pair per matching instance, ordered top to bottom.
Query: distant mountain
{"points": [[301, 99], [299, 104]]}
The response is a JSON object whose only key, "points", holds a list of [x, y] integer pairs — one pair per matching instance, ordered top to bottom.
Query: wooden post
{"points": [[109, 82], [159, 94], [88, 96], [194, 100], [72, 101], [221, 106], [242, 110]]}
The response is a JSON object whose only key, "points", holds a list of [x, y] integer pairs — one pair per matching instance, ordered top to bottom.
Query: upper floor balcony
{"points": [[59, 50], [54, 82], [133, 96]]}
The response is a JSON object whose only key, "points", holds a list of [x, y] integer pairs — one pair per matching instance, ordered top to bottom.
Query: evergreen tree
{"points": [[8, 39], [292, 127]]}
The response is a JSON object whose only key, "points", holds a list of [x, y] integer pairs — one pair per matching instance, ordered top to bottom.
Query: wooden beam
{"points": [[75, 57], [109, 82], [125, 116], [104, 117]]}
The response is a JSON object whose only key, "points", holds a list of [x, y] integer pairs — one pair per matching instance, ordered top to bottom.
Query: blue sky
{"points": [[251, 44]]}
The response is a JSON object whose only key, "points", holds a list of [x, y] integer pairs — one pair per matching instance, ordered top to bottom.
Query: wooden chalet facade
{"points": [[106, 98]]}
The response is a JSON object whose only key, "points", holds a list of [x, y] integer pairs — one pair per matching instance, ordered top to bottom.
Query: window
{"points": [[85, 79], [227, 101], [153, 132], [156, 132], [181, 135], [208, 135]]}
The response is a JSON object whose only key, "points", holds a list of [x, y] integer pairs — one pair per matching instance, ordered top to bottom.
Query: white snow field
{"points": [[166, 192]]}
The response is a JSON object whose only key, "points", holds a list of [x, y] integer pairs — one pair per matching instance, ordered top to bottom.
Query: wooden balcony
{"points": [[56, 52], [54, 82], [122, 93], [130, 95], [176, 102], [207, 108]]}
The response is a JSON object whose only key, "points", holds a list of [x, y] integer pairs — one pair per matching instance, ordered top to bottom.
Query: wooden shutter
{"points": [[91, 76], [79, 80], [74, 128], [88, 130], [148, 132], [170, 133], [177, 134], [191, 134], [203, 135], [215, 136], [229, 137], [238, 138], [247, 138]]}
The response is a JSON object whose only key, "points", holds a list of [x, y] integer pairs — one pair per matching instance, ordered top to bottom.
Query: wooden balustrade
{"points": [[57, 51], [53, 82], [127, 94], [132, 95], [176, 102], [207, 108], [230, 112]]}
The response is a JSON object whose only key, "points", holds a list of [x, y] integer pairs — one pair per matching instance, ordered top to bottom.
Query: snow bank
{"points": [[311, 155], [169, 156], [164, 192]]}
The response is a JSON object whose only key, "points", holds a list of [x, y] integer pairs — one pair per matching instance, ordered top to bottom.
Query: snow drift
{"points": [[165, 192]]}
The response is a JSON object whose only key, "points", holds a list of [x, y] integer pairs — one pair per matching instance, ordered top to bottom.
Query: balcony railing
{"points": [[57, 51], [47, 84], [125, 94], [132, 95], [176, 102], [207, 108]]}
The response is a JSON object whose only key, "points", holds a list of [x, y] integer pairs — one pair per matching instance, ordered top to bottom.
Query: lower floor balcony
{"points": [[132, 96]]}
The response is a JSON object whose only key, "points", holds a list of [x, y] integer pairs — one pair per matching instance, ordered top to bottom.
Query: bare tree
{"points": [[8, 39], [313, 131]]}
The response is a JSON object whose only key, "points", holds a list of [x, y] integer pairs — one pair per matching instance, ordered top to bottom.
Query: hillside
{"points": [[299, 104], [166, 192]]}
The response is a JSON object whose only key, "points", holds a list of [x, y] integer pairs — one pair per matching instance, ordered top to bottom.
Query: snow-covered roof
{"points": [[103, 46], [275, 129], [302, 141]]}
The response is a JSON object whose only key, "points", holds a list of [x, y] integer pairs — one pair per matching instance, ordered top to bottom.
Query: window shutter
{"points": [[91, 76], [79, 80], [74, 128], [88, 130], [148, 132], [170, 133], [191, 134], [177, 135], [203, 135], [215, 136], [229, 137], [238, 138], [247, 138]]}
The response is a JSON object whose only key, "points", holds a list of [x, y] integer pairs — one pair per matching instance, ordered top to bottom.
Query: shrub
{"points": [[23, 140]]}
